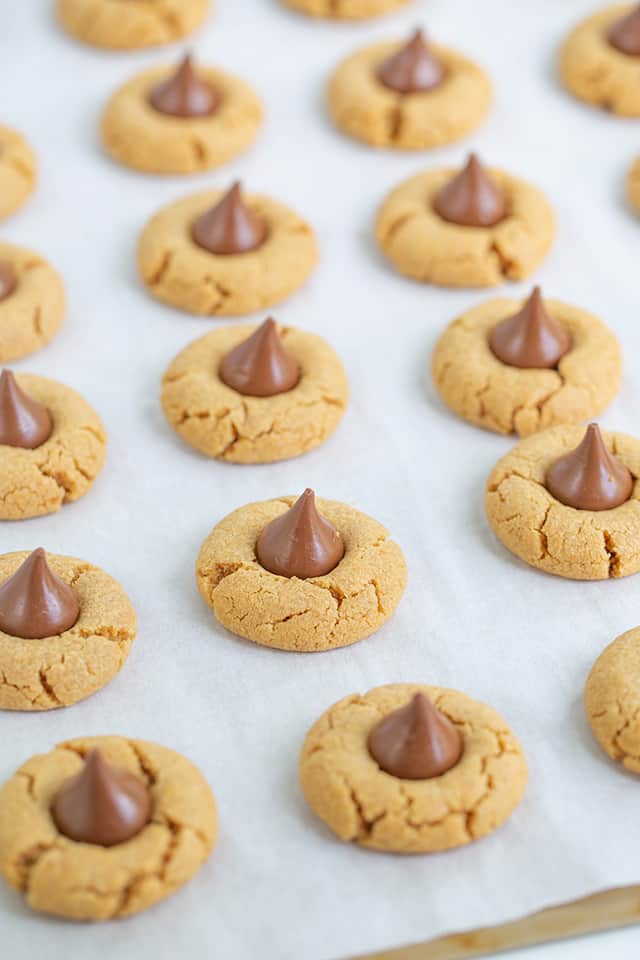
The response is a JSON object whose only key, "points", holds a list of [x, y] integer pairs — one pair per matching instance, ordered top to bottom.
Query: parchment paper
{"points": [[279, 886]]}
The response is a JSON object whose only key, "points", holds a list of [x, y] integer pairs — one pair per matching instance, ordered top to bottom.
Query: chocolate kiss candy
{"points": [[624, 35], [413, 69], [184, 94], [471, 199], [230, 226], [7, 279], [532, 338], [261, 366], [24, 422], [589, 477], [300, 543], [34, 601], [416, 742], [102, 804]]}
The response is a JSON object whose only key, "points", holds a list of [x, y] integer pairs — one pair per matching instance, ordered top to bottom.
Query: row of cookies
{"points": [[404, 96], [187, 119], [240, 394], [262, 394], [286, 573], [105, 827]]}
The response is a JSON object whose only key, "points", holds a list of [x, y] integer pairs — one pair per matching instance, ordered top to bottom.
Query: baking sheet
{"points": [[279, 885]]}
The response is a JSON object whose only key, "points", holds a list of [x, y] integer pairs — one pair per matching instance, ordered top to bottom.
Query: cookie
{"points": [[345, 9], [133, 25], [595, 71], [365, 108], [138, 135], [17, 171], [633, 186], [422, 245], [178, 271], [32, 307], [478, 386], [223, 423], [34, 482], [548, 534], [323, 612], [46, 672], [612, 701], [347, 789], [83, 881]]}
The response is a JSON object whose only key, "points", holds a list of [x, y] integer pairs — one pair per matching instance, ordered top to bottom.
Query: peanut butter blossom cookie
{"points": [[345, 9], [130, 25], [600, 60], [409, 96], [180, 121], [17, 171], [473, 228], [223, 254], [32, 302], [518, 367], [255, 394], [52, 446], [567, 501], [300, 575], [66, 629], [612, 700], [412, 769], [103, 827]]}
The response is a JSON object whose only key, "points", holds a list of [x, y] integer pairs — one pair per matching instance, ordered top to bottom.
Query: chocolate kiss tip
{"points": [[624, 34], [413, 68], [184, 94], [471, 198], [230, 227], [530, 339], [261, 366], [24, 422], [589, 477], [300, 543], [35, 602], [416, 742], [102, 805]]}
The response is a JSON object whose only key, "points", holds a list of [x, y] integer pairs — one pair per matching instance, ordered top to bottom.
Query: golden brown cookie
{"points": [[345, 9], [130, 25], [594, 71], [366, 109], [137, 135], [17, 171], [633, 186], [424, 246], [179, 272], [32, 314], [477, 386], [220, 422], [64, 467], [533, 524], [321, 613], [59, 671], [612, 699], [346, 788], [82, 881]]}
